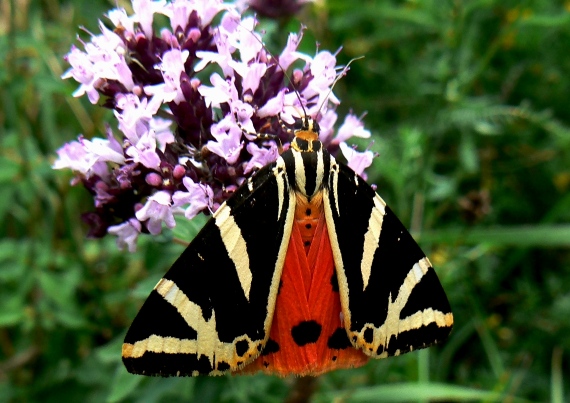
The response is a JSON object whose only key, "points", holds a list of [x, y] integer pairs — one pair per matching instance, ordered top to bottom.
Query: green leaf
{"points": [[468, 153], [9, 169], [186, 230], [521, 236], [59, 287], [144, 287], [11, 318], [70, 319], [111, 352], [123, 384], [408, 392]]}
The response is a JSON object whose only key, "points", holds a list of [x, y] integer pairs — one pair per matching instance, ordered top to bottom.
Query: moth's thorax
{"points": [[307, 136], [306, 144], [307, 165]]}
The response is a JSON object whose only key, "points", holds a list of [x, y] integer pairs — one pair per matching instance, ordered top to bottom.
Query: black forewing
{"points": [[206, 274], [366, 308]]}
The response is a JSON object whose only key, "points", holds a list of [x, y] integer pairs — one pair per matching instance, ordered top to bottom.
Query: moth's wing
{"points": [[391, 298], [211, 313]]}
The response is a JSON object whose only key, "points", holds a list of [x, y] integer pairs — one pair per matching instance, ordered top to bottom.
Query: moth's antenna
{"points": [[281, 67], [338, 77]]}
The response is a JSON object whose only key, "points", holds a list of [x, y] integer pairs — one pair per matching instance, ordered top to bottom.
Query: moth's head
{"points": [[306, 124], [306, 135]]}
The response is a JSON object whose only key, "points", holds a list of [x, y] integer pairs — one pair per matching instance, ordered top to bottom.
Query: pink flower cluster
{"points": [[190, 101]]}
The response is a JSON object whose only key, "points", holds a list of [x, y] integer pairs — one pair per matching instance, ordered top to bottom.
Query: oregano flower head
{"points": [[199, 106]]}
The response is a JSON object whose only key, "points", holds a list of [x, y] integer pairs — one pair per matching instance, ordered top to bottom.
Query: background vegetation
{"points": [[468, 103]]}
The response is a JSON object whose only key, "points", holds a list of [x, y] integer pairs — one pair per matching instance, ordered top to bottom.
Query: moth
{"points": [[305, 269]]}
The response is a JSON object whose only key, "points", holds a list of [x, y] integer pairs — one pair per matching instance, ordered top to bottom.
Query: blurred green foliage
{"points": [[468, 103]]}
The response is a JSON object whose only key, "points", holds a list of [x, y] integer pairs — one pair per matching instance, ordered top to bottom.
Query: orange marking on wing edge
{"points": [[307, 295]]}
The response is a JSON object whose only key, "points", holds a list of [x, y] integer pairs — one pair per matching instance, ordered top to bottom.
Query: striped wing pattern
{"points": [[391, 298], [212, 311]]}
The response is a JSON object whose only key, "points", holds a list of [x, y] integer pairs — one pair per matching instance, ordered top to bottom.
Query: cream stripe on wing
{"points": [[320, 171], [279, 172], [333, 173], [300, 178], [287, 228], [371, 239], [235, 246], [337, 255], [424, 318], [393, 325], [207, 343]]}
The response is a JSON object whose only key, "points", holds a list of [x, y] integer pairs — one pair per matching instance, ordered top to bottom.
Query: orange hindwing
{"points": [[307, 334]]}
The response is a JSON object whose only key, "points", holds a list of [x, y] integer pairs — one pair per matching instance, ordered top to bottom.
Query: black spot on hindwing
{"points": [[306, 332], [339, 339], [270, 347]]}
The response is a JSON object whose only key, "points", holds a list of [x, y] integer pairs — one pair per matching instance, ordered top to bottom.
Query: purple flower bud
{"points": [[194, 35], [169, 38], [195, 83], [179, 172], [153, 179], [102, 197]]}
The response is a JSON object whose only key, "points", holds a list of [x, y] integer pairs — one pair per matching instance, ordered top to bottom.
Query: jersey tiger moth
{"points": [[305, 269]]}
